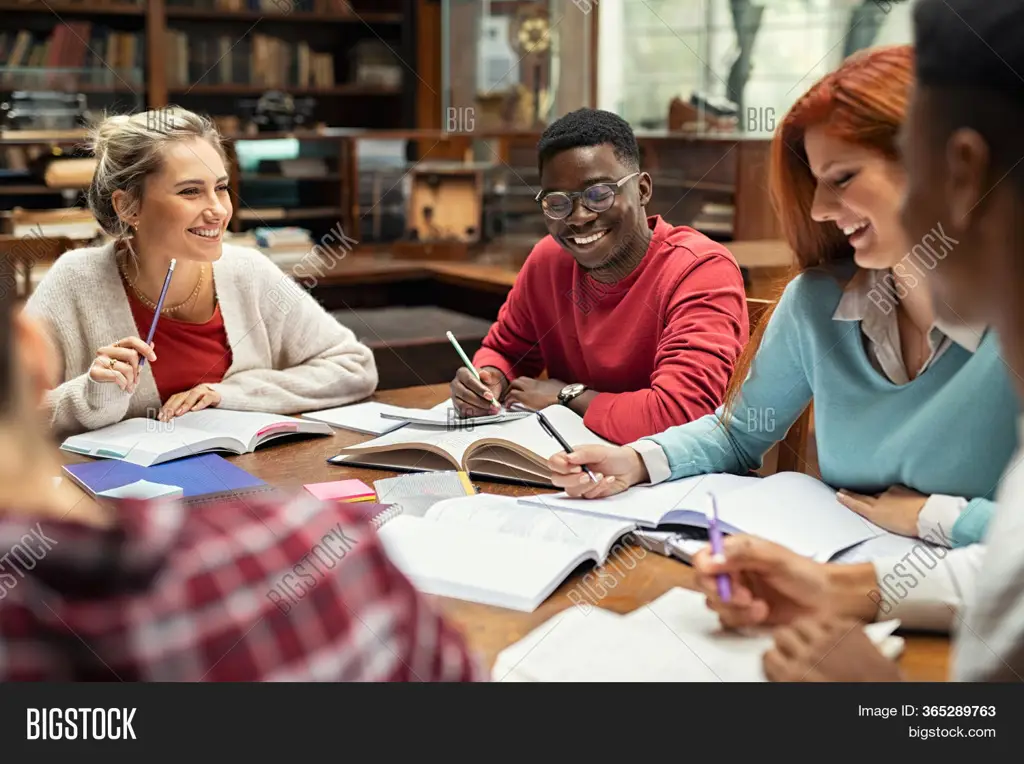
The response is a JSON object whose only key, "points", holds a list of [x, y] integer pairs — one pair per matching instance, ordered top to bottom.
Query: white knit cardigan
{"points": [[288, 354]]}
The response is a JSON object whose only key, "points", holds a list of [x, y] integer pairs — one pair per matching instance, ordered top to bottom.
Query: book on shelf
{"points": [[74, 53], [258, 59], [147, 441], [509, 450]]}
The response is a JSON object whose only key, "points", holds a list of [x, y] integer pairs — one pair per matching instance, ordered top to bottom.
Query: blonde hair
{"points": [[130, 147]]}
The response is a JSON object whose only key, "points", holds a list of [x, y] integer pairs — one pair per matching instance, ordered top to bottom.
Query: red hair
{"points": [[863, 102]]}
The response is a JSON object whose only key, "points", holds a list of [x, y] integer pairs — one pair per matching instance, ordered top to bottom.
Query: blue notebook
{"points": [[204, 477]]}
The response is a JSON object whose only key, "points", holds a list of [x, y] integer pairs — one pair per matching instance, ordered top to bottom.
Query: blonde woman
{"points": [[235, 331]]}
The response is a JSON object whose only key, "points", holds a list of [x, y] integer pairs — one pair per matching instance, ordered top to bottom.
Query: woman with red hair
{"points": [[914, 418]]}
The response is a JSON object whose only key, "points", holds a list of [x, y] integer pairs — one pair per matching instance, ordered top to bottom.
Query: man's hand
{"points": [[534, 394], [473, 397], [196, 399], [615, 467], [896, 510], [770, 584], [826, 650]]}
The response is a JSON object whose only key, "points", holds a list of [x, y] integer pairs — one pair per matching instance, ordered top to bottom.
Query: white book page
{"points": [[361, 417], [243, 425], [527, 433], [138, 440], [452, 442], [651, 505], [799, 512], [505, 515], [474, 564], [676, 638]]}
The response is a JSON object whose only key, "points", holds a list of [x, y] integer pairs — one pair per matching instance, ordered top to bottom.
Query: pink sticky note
{"points": [[342, 490]]}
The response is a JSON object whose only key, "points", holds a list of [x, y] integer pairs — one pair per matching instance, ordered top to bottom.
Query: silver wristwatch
{"points": [[569, 392]]}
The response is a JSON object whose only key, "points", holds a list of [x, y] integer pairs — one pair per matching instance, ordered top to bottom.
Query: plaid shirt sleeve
{"points": [[248, 590]]}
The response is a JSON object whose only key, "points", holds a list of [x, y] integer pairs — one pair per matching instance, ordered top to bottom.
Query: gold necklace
{"points": [[152, 305]]}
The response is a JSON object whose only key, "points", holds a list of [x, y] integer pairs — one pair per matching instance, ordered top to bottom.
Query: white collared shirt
{"points": [[869, 298]]}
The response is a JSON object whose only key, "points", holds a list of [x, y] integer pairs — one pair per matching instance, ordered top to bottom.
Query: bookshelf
{"points": [[352, 57], [348, 63]]}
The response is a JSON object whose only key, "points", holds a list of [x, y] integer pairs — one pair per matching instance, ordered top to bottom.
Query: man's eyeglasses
{"points": [[596, 198]]}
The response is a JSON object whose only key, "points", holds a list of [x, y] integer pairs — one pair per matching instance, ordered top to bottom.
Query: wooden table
{"points": [[491, 629]]}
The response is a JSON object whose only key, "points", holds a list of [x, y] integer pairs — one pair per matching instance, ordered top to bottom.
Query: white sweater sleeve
{"points": [[317, 362], [80, 403], [928, 589]]}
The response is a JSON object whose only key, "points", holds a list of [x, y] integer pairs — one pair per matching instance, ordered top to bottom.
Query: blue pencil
{"points": [[159, 307]]}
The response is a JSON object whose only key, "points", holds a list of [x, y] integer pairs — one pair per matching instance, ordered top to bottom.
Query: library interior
{"points": [[383, 155]]}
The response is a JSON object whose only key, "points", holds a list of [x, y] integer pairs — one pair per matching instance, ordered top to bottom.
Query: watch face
{"points": [[574, 389]]}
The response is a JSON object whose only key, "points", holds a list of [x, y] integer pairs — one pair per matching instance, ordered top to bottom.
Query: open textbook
{"points": [[375, 418], [148, 441], [515, 449], [789, 508], [495, 551], [675, 638]]}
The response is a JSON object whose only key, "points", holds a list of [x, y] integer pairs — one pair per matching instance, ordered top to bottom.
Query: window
{"points": [[651, 51]]}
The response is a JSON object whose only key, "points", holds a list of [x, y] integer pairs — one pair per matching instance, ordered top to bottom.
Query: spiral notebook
{"points": [[202, 478]]}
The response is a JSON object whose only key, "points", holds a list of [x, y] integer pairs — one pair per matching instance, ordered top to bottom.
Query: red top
{"points": [[659, 346], [187, 354], [248, 590]]}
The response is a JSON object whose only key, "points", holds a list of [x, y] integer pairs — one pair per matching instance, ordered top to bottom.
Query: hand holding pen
{"points": [[121, 363], [475, 393], [549, 428], [715, 535]]}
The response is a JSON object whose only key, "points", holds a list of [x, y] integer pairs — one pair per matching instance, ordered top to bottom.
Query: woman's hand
{"points": [[119, 363], [196, 399], [615, 467], [897, 510]]}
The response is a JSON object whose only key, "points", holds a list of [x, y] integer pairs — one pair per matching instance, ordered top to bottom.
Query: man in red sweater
{"points": [[638, 323]]}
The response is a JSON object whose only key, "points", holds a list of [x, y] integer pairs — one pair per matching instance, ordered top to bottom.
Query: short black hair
{"points": [[970, 43], [969, 58], [589, 127]]}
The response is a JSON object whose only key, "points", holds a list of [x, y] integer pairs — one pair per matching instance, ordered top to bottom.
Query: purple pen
{"points": [[159, 307], [715, 534]]}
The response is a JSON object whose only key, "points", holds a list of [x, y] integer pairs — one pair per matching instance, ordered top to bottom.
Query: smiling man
{"points": [[638, 323]]}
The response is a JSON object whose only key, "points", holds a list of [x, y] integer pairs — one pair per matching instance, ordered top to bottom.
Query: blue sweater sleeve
{"points": [[772, 398], [972, 523]]}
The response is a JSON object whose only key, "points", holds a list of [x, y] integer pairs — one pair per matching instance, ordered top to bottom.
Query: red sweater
{"points": [[659, 346], [187, 354]]}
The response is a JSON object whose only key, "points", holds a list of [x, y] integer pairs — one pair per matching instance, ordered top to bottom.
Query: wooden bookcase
{"points": [[211, 56], [340, 102]]}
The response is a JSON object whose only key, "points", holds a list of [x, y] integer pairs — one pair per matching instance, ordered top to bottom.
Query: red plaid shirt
{"points": [[253, 590]]}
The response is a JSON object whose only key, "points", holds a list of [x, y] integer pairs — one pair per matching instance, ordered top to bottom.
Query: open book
{"points": [[375, 418], [148, 441], [517, 449], [789, 508], [492, 550], [676, 638]]}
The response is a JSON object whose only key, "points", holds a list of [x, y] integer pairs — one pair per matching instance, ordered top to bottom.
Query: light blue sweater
{"points": [[952, 430]]}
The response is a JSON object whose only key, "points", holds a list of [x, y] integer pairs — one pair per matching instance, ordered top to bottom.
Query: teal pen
{"points": [[466, 361]]}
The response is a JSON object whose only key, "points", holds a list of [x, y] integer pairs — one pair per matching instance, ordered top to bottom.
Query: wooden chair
{"points": [[26, 252], [793, 453]]}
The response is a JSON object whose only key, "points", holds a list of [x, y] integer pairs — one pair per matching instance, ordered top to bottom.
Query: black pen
{"points": [[561, 441]]}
